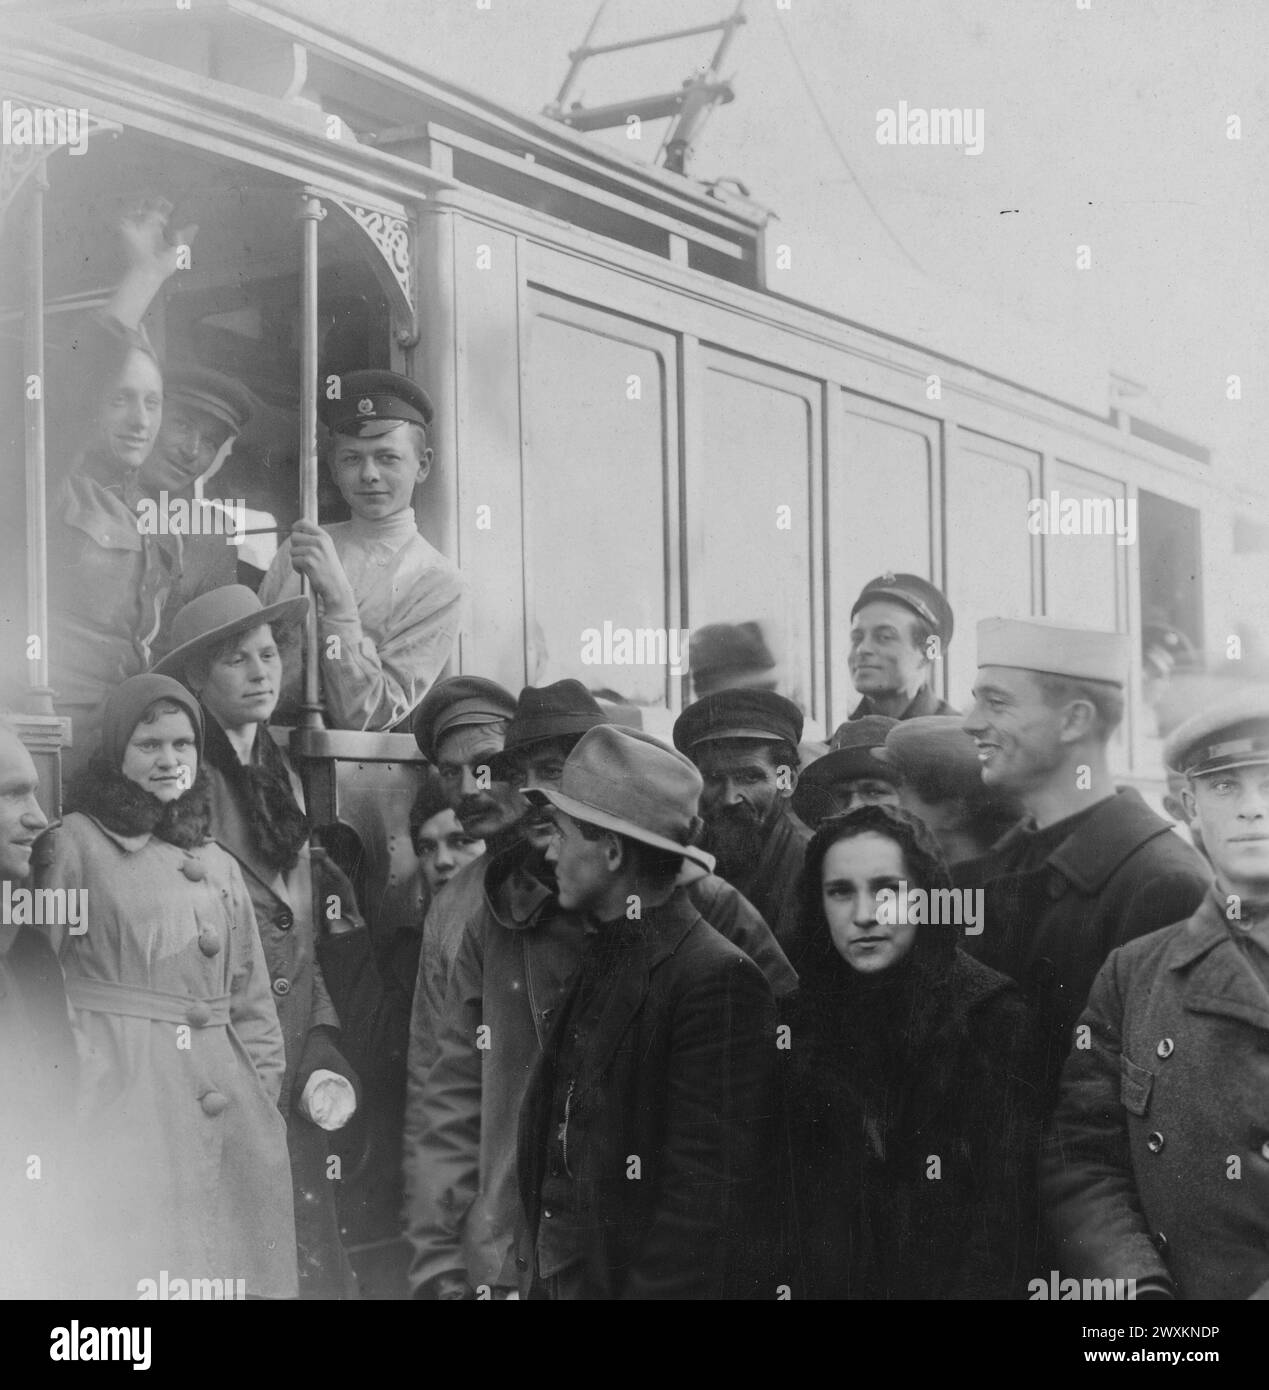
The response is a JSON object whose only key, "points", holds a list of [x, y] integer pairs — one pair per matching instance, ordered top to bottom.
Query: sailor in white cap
{"points": [[1091, 866], [1157, 1168]]}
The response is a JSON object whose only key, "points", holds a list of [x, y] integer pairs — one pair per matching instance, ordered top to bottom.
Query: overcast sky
{"points": [[1104, 127]]}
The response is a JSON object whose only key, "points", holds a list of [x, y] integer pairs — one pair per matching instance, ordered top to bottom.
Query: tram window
{"points": [[594, 508], [748, 513], [879, 515], [989, 548], [1084, 568], [1171, 575]]}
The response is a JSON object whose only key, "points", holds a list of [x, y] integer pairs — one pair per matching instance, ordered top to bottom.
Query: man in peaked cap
{"points": [[389, 603], [899, 628], [727, 656], [745, 745], [850, 774], [1091, 866], [513, 959], [646, 1146], [1157, 1166]]}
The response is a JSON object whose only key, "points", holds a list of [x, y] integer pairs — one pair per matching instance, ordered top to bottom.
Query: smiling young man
{"points": [[389, 603], [900, 625], [1091, 866], [646, 1145], [1157, 1165]]}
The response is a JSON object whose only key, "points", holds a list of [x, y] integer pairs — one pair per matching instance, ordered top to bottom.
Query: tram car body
{"points": [[636, 430]]}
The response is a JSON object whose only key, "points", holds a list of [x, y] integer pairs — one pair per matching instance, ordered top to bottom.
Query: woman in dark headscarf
{"points": [[225, 650], [181, 1055], [912, 1126]]}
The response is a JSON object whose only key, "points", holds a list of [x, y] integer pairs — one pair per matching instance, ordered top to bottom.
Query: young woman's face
{"points": [[131, 410], [244, 681], [162, 756], [854, 872]]}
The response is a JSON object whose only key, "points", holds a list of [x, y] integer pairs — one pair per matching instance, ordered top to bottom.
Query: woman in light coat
{"points": [[181, 1054]]}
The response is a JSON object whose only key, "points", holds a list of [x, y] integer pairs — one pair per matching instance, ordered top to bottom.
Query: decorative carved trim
{"points": [[19, 162], [392, 239]]}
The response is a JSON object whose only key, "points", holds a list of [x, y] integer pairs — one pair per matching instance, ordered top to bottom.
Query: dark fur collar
{"points": [[103, 792]]}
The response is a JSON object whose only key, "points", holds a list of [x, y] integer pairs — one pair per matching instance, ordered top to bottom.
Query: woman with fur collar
{"points": [[226, 651], [181, 1054], [911, 1095]]}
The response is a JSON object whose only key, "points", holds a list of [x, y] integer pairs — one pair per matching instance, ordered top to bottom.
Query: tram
{"points": [[635, 427]]}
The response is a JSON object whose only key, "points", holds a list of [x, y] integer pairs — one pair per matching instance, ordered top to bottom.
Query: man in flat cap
{"points": [[389, 603], [899, 628], [728, 656], [745, 746], [849, 774], [939, 780], [1091, 866], [514, 961], [646, 1147], [1157, 1165]]}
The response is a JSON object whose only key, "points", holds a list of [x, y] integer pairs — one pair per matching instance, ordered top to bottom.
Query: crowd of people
{"points": [[931, 1016]]}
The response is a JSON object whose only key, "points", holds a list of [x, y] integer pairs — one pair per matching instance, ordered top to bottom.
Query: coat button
{"points": [[194, 870], [285, 920], [208, 943], [281, 986], [198, 1015], [1166, 1047], [214, 1103], [1154, 1142], [1264, 1151], [546, 1215], [1160, 1242], [521, 1262]]}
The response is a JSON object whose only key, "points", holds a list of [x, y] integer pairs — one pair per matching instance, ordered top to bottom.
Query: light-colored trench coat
{"points": [[181, 1060]]}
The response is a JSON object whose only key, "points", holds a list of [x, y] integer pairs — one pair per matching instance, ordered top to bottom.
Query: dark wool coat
{"points": [[924, 702], [1118, 875], [772, 885], [288, 921], [680, 1072], [1157, 1164], [867, 1213]]}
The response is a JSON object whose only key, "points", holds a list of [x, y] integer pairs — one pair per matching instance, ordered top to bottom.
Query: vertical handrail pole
{"points": [[311, 213], [39, 696]]}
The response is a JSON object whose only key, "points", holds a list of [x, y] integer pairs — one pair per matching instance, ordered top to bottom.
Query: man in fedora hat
{"points": [[389, 603], [899, 628], [225, 650], [744, 743], [849, 774], [1091, 866], [512, 962], [646, 1144], [1157, 1165]]}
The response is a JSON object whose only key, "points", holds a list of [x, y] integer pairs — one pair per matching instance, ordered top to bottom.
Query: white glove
{"points": [[328, 1099]]}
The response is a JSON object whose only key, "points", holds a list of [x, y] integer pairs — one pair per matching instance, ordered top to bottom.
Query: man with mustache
{"points": [[389, 603], [744, 743], [1091, 867], [512, 963], [37, 1061], [1157, 1166]]}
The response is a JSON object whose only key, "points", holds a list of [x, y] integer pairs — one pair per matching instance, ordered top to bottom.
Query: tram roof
{"points": [[412, 128]]}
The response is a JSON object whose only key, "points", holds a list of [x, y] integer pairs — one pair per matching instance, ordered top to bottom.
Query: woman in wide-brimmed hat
{"points": [[225, 651], [181, 1054], [911, 1091]]}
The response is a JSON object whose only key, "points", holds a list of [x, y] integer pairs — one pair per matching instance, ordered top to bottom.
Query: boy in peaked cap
{"points": [[389, 603], [1091, 866], [1157, 1167]]}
